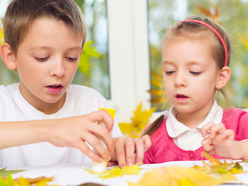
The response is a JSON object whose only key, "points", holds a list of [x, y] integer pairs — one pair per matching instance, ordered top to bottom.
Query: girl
{"points": [[196, 55]]}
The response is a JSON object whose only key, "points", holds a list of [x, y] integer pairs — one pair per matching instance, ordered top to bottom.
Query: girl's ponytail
{"points": [[154, 126]]}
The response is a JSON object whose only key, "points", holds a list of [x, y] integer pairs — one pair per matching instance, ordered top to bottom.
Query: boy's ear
{"points": [[8, 56], [223, 77]]}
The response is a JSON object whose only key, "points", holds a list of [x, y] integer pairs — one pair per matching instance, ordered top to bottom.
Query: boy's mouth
{"points": [[55, 86], [54, 89]]}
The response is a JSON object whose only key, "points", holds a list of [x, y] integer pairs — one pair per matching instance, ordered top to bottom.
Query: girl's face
{"points": [[46, 62], [190, 74]]}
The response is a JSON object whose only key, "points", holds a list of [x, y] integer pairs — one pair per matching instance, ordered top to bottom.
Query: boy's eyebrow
{"points": [[46, 47]]}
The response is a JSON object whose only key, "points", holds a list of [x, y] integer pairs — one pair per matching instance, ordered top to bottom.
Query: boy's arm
{"points": [[65, 132]]}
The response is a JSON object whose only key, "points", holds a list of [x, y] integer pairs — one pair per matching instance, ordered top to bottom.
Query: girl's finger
{"points": [[206, 128], [129, 149], [140, 149]]}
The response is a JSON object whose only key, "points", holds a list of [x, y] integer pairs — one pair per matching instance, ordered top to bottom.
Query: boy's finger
{"points": [[102, 116], [104, 134], [97, 145], [120, 151], [88, 152]]}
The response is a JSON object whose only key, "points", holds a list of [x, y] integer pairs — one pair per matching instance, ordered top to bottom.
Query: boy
{"points": [[43, 42]]}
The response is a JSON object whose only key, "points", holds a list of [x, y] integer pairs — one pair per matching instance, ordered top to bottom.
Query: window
{"points": [[233, 17]]}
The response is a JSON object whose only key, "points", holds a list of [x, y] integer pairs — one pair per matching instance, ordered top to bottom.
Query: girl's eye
{"points": [[43, 59], [71, 59], [169, 72], [195, 73]]}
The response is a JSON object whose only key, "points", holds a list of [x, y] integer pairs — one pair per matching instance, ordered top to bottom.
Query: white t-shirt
{"points": [[80, 100]]}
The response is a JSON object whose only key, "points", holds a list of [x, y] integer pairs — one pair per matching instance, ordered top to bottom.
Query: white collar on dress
{"points": [[176, 128]]}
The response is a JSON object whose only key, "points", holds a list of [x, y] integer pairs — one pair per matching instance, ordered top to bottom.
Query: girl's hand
{"points": [[76, 131], [220, 141], [129, 151]]}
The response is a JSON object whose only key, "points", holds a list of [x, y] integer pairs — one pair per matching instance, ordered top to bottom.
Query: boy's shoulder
{"points": [[8, 89], [80, 91]]}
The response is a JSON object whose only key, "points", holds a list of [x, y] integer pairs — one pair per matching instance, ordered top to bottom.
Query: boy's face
{"points": [[46, 61]]}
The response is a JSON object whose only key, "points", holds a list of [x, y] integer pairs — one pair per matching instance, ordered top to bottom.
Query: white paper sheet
{"points": [[73, 174]]}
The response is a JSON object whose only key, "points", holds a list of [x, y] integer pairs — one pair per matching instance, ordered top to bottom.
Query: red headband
{"points": [[215, 31]]}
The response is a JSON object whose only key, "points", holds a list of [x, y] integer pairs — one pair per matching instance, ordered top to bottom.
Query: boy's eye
{"points": [[41, 59], [71, 59], [169, 72], [195, 73]]}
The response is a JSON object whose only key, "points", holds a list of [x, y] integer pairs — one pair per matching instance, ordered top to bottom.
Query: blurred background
{"points": [[122, 56]]}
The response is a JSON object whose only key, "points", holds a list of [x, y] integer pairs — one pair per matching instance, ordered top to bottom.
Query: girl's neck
{"points": [[193, 119]]}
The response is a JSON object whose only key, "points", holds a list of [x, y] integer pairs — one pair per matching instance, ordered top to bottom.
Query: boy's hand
{"points": [[76, 131], [220, 141], [129, 151]]}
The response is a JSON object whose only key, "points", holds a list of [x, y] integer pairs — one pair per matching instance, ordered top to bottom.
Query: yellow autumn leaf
{"points": [[212, 14], [1, 35], [245, 42], [157, 83], [138, 122], [126, 127], [216, 166], [117, 172], [180, 176]]}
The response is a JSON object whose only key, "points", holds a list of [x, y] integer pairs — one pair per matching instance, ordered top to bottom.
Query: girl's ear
{"points": [[8, 56], [223, 77]]}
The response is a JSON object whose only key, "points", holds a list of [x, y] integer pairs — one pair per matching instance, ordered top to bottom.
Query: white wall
{"points": [[129, 56]]}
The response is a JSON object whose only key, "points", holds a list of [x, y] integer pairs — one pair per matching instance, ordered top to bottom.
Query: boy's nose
{"points": [[58, 68], [180, 79]]}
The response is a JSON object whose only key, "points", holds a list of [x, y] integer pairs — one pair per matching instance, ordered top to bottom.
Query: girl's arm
{"points": [[220, 141]]}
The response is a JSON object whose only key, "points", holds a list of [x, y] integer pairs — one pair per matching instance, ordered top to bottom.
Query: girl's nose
{"points": [[58, 68], [180, 79]]}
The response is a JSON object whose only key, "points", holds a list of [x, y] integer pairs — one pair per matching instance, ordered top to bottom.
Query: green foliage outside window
{"points": [[232, 16]]}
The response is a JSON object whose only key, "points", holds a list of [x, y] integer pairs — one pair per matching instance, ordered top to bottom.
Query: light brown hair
{"points": [[21, 14], [198, 32]]}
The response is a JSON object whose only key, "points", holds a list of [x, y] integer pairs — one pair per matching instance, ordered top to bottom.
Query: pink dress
{"points": [[164, 149]]}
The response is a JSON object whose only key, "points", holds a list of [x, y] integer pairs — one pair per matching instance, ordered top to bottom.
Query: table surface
{"points": [[74, 174]]}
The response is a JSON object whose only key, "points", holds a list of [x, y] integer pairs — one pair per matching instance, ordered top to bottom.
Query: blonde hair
{"points": [[21, 14], [187, 30]]}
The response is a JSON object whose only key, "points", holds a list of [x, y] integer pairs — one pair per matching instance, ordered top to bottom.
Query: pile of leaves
{"points": [[216, 166], [117, 172], [213, 173]]}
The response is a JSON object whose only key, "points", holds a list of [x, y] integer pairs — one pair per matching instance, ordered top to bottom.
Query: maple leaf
{"points": [[212, 14], [1, 33], [245, 41], [84, 60], [157, 91], [138, 122], [216, 166], [4, 172], [117, 172], [180, 176]]}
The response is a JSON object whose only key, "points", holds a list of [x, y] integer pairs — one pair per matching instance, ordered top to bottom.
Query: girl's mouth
{"points": [[181, 97]]}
